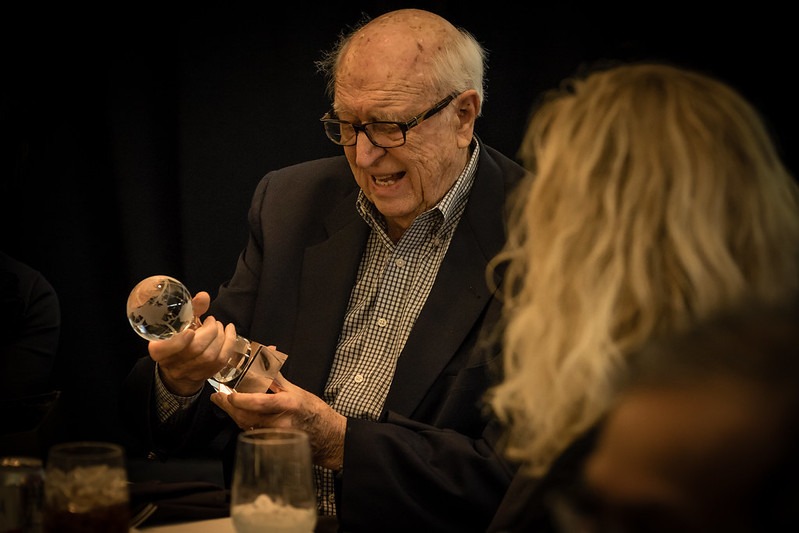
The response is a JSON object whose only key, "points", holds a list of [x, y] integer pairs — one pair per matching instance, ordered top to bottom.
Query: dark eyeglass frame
{"points": [[403, 126]]}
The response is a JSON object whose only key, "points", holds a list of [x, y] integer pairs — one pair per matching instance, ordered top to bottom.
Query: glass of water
{"points": [[273, 487]]}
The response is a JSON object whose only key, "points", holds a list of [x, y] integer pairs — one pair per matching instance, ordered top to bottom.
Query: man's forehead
{"points": [[392, 49], [385, 66]]}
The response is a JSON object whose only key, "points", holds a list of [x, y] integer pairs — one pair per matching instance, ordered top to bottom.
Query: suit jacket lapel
{"points": [[329, 272], [328, 275], [459, 294]]}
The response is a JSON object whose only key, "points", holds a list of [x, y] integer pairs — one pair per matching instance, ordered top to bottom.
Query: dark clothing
{"points": [[30, 325], [30, 329], [425, 465], [528, 504]]}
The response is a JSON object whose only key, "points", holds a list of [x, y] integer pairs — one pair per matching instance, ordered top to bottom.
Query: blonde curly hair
{"points": [[656, 198]]}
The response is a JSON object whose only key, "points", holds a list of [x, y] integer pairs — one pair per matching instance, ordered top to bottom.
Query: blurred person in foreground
{"points": [[659, 199], [375, 289], [30, 316], [30, 339], [703, 435]]}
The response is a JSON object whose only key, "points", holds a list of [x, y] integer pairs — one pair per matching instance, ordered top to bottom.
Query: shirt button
{"points": [[436, 242], [400, 262], [382, 322], [358, 378], [331, 497]]}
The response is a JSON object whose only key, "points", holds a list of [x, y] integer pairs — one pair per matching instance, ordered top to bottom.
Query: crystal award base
{"points": [[255, 371]]}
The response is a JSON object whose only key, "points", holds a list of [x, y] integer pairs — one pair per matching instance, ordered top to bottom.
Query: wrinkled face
{"points": [[382, 77], [681, 460]]}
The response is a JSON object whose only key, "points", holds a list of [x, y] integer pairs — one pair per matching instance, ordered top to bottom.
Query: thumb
{"points": [[200, 303]]}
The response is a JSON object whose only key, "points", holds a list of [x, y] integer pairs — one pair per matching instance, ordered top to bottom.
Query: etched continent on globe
{"points": [[159, 307]]}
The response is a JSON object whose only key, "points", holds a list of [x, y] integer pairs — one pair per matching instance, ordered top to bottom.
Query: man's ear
{"points": [[467, 108]]}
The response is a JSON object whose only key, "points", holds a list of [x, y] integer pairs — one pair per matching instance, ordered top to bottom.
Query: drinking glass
{"points": [[273, 487], [86, 488], [21, 494]]}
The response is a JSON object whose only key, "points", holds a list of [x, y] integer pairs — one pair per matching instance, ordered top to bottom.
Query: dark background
{"points": [[133, 138]]}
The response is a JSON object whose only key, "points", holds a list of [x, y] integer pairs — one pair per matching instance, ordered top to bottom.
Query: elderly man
{"points": [[375, 289]]}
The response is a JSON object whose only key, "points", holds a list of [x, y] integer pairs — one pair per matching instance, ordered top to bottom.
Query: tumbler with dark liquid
{"points": [[86, 489], [21, 494]]}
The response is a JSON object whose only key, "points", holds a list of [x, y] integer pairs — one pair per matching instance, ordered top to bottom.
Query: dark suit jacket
{"points": [[426, 465], [529, 504]]}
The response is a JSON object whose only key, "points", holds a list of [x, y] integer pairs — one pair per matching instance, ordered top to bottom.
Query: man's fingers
{"points": [[160, 349]]}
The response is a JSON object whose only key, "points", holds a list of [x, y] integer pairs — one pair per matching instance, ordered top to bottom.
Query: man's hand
{"points": [[187, 359], [291, 407]]}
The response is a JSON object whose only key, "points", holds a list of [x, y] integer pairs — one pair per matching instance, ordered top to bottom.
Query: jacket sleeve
{"points": [[440, 480]]}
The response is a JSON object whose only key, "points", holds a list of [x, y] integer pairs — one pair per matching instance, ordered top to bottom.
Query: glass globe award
{"points": [[160, 306]]}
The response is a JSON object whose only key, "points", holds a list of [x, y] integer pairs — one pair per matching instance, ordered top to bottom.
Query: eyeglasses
{"points": [[382, 133]]}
